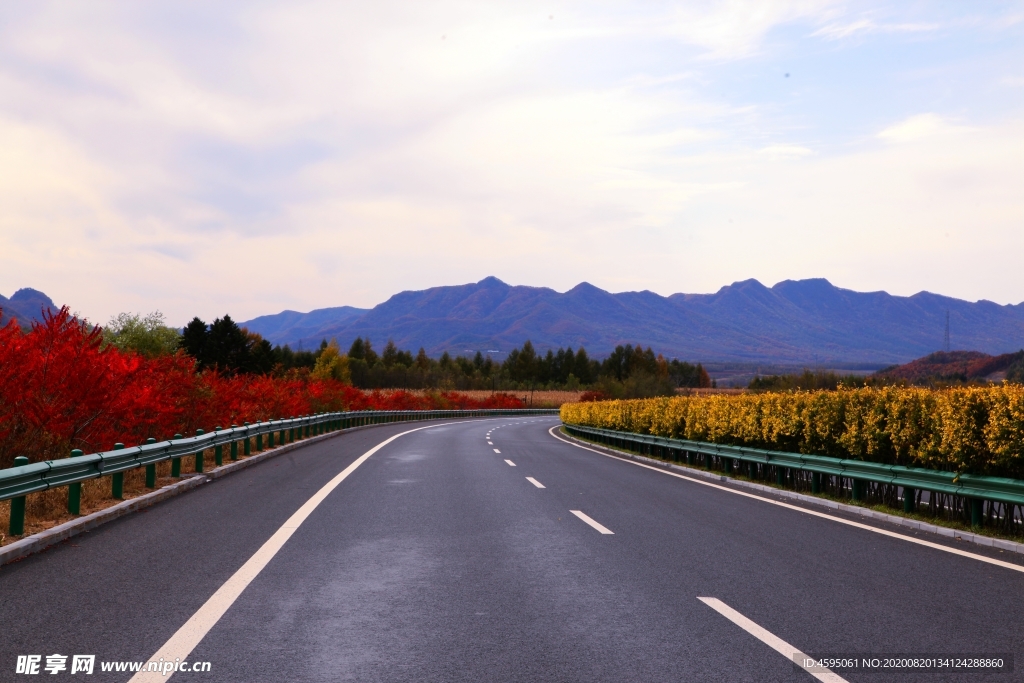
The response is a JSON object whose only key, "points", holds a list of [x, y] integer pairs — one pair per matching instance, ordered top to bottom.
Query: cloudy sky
{"points": [[203, 158]]}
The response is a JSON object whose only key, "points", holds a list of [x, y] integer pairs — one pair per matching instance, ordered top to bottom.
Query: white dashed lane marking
{"points": [[600, 527], [771, 640]]}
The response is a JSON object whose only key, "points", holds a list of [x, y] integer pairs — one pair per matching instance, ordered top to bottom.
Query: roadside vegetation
{"points": [[628, 372], [68, 385], [963, 430], [977, 430]]}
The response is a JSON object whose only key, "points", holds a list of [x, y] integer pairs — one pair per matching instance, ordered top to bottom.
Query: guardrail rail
{"points": [[24, 478], [989, 499]]}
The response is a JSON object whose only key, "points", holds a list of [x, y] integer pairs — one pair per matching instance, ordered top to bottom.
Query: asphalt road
{"points": [[437, 560]]}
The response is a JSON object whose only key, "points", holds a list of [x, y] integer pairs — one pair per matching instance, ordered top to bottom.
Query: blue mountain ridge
{"points": [[26, 305], [795, 322]]}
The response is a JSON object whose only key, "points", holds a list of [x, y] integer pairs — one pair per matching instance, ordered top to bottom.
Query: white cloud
{"points": [[838, 31], [920, 127], [785, 152], [210, 159]]}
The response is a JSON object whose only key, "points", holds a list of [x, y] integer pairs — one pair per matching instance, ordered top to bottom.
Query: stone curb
{"points": [[956, 534], [44, 539]]}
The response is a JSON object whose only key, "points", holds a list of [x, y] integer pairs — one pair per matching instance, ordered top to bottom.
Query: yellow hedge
{"points": [[971, 429]]}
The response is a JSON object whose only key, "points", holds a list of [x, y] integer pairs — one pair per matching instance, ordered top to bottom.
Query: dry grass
{"points": [[727, 391], [536, 399], [47, 509]]}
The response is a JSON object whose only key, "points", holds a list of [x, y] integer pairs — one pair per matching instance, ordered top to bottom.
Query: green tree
{"points": [[147, 335], [193, 340], [227, 347], [358, 349], [262, 356], [391, 356], [583, 367]]}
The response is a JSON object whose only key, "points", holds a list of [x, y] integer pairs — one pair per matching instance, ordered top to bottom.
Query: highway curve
{"points": [[453, 553]]}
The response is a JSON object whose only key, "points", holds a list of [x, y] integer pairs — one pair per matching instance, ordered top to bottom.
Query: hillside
{"points": [[25, 305], [808, 322], [291, 326], [958, 366]]}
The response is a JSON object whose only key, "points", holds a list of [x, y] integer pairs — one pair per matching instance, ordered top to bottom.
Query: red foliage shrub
{"points": [[59, 390], [593, 396]]}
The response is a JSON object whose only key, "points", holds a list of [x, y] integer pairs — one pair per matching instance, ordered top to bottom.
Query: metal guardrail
{"points": [[16, 482], [972, 487]]}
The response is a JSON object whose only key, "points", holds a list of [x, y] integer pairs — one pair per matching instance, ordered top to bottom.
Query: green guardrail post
{"points": [[282, 435], [270, 437], [259, 442], [234, 445], [247, 448], [218, 451], [199, 454], [176, 462], [151, 469], [780, 475], [117, 480], [815, 482], [857, 489], [75, 491], [908, 499], [977, 512], [17, 524]]}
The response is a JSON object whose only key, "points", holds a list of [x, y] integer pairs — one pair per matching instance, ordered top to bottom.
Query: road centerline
{"points": [[510, 463], [535, 482]]}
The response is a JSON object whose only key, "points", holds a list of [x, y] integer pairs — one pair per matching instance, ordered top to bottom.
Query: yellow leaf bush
{"points": [[968, 429]]}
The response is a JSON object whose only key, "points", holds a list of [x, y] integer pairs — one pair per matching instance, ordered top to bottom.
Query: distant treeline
{"points": [[630, 371], [809, 381]]}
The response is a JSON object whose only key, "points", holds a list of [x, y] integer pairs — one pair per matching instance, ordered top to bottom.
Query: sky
{"points": [[204, 158]]}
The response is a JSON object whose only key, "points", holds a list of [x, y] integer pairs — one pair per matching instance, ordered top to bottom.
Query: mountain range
{"points": [[25, 306], [795, 322]]}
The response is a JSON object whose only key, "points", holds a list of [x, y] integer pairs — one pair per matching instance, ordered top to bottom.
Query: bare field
{"points": [[727, 391], [535, 399]]}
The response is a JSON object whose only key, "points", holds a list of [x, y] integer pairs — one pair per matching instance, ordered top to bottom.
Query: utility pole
{"points": [[947, 331]]}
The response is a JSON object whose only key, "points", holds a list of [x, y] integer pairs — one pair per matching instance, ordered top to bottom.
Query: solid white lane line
{"points": [[496, 450], [510, 463], [535, 482], [848, 522], [603, 529], [192, 632], [771, 640]]}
